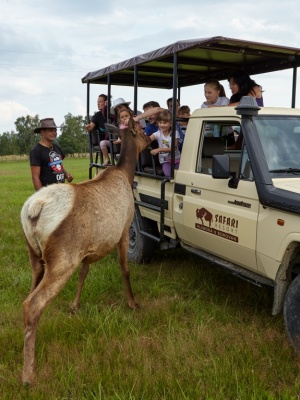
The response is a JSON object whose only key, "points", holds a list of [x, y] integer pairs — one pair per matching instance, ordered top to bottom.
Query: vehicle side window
{"points": [[218, 138]]}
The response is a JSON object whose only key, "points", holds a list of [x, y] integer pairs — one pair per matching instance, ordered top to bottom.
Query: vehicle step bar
{"points": [[160, 209], [234, 269]]}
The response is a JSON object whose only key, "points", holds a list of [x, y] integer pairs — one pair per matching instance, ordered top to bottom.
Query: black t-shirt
{"points": [[99, 120], [50, 161]]}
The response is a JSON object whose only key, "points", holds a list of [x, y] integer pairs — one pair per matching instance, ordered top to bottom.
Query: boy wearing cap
{"points": [[46, 157]]}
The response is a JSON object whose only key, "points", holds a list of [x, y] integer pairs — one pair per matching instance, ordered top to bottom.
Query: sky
{"points": [[47, 47]]}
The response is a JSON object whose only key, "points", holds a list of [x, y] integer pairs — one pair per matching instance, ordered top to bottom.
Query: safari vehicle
{"points": [[237, 206]]}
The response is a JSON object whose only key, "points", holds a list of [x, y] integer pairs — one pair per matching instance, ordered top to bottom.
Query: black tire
{"points": [[140, 248], [295, 266], [291, 312]]}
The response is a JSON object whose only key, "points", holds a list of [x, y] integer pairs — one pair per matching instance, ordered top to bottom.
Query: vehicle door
{"points": [[214, 216]]}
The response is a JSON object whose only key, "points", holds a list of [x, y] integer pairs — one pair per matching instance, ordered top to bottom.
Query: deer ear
{"points": [[132, 125]]}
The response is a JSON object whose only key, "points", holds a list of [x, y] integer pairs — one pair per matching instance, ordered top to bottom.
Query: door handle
{"points": [[196, 191]]}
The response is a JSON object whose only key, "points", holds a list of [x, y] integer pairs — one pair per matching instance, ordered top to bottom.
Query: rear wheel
{"points": [[140, 248]]}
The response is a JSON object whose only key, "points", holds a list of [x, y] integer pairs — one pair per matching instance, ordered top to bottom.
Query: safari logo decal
{"points": [[219, 225]]}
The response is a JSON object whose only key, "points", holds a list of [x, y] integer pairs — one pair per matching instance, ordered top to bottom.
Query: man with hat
{"points": [[46, 157]]}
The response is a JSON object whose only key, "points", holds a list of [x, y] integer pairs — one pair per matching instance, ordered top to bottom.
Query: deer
{"points": [[64, 227]]}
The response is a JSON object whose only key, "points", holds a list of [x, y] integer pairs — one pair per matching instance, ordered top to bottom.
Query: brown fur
{"points": [[91, 219]]}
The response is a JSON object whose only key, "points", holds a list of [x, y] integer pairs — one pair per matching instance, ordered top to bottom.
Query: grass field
{"points": [[200, 333]]}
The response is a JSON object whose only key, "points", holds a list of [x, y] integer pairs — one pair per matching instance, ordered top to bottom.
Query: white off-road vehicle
{"points": [[235, 199]]}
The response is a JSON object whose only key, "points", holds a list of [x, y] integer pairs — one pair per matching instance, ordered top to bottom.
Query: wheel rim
{"points": [[132, 238]]}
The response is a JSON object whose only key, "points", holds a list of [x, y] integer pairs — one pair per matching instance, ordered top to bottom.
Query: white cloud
{"points": [[25, 86], [78, 105], [10, 111]]}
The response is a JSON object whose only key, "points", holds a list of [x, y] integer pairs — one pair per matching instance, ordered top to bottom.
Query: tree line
{"points": [[72, 139]]}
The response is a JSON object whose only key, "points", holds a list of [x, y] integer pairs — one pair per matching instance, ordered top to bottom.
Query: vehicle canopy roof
{"points": [[195, 61]]}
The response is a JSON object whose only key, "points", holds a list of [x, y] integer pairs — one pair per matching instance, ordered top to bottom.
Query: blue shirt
{"points": [[150, 128]]}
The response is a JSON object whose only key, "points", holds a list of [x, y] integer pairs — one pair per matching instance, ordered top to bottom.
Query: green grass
{"points": [[200, 333]]}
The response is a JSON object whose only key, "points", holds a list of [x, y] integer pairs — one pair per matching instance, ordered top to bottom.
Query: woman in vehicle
{"points": [[241, 85]]}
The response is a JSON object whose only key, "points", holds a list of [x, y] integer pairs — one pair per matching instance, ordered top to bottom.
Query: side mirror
{"points": [[221, 167]]}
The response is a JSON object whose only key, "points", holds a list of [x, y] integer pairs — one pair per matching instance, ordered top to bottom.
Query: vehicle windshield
{"points": [[280, 139]]}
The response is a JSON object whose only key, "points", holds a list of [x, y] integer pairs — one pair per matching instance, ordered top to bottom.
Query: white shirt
{"points": [[222, 101], [165, 142]]}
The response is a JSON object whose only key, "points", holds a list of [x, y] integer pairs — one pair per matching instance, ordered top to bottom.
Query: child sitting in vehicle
{"points": [[215, 95], [184, 112], [125, 119], [164, 139]]}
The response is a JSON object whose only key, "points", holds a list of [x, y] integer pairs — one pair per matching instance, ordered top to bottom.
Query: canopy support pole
{"points": [[294, 87], [135, 89], [174, 107]]}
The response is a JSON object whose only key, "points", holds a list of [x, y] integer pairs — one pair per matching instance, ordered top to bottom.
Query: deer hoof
{"points": [[133, 305], [27, 379]]}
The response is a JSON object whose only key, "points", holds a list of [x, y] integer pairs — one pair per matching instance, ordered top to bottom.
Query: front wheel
{"points": [[140, 248], [291, 312]]}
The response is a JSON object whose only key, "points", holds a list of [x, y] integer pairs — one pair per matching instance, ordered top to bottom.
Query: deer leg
{"points": [[123, 260], [37, 268], [84, 269], [33, 307]]}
